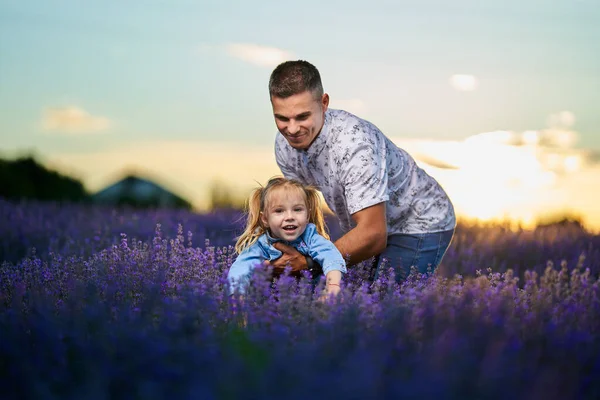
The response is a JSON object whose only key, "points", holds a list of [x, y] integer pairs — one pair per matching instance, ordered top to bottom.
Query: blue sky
{"points": [[90, 80]]}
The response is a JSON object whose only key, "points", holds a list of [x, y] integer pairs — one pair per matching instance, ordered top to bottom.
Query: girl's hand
{"points": [[331, 290]]}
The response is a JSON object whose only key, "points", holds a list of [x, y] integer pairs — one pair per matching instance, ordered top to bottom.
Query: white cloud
{"points": [[263, 56], [463, 83], [74, 120], [495, 138], [546, 138], [557, 138], [434, 162]]}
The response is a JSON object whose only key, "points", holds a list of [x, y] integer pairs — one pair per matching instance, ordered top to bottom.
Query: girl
{"points": [[287, 211]]}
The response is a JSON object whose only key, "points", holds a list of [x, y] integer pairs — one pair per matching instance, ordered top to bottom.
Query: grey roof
{"points": [[139, 189]]}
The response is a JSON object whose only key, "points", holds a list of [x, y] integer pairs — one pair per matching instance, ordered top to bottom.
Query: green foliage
{"points": [[25, 178], [222, 196]]}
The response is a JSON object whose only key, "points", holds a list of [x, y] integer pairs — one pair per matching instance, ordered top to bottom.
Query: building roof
{"points": [[136, 191]]}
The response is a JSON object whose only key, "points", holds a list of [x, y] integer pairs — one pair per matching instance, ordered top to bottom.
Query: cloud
{"points": [[263, 56], [463, 83], [73, 119], [547, 138], [553, 147], [547, 150], [593, 156], [433, 161], [519, 175]]}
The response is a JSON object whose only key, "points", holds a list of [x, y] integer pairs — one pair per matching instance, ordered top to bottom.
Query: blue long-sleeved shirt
{"points": [[310, 243]]}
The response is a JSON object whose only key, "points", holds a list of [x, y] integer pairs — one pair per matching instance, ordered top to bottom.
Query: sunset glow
{"points": [[503, 175], [490, 176]]}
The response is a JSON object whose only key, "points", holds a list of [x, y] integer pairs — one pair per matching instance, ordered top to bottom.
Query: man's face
{"points": [[300, 117]]}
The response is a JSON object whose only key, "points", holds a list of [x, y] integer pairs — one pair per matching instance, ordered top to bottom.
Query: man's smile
{"points": [[295, 136]]}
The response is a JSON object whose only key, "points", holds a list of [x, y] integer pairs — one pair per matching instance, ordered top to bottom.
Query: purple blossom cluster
{"points": [[147, 315]]}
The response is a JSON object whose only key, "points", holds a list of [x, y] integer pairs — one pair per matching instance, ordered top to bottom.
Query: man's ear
{"points": [[325, 101]]}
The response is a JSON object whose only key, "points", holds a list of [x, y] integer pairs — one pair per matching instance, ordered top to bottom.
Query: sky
{"points": [[498, 100]]}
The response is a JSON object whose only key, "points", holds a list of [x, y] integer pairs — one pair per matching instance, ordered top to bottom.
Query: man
{"points": [[388, 207]]}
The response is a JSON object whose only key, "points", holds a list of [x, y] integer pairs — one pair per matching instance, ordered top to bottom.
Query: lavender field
{"points": [[98, 303]]}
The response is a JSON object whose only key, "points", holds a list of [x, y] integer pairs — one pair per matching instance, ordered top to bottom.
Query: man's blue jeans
{"points": [[421, 250]]}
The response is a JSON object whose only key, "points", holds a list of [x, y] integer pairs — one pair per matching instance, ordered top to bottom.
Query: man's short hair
{"points": [[294, 77]]}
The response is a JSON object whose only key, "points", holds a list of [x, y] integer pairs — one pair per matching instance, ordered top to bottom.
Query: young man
{"points": [[387, 206]]}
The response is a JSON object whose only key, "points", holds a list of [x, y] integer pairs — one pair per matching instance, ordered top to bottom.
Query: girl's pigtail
{"points": [[315, 211], [253, 226]]}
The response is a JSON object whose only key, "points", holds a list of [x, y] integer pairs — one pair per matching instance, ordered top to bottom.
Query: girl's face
{"points": [[285, 214]]}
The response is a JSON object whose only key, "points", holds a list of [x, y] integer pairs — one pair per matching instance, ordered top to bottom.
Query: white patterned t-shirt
{"points": [[355, 166]]}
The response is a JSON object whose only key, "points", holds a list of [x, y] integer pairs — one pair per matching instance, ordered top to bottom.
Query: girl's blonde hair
{"points": [[258, 202]]}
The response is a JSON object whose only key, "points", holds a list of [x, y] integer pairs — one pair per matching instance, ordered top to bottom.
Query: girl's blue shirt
{"points": [[310, 243]]}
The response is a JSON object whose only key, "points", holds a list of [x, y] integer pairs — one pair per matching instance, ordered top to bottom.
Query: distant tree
{"points": [[25, 178], [222, 196], [561, 219]]}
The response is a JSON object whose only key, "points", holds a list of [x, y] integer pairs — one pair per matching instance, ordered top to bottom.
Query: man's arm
{"points": [[368, 238]]}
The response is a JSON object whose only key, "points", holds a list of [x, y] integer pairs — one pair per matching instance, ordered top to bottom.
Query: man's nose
{"points": [[293, 128]]}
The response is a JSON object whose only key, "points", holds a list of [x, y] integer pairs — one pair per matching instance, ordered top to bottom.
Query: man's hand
{"points": [[291, 257]]}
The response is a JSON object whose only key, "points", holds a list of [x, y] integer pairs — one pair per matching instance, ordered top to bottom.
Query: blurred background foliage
{"points": [[25, 178]]}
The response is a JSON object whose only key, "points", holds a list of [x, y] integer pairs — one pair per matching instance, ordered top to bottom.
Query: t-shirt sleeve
{"points": [[362, 166], [326, 254], [241, 269]]}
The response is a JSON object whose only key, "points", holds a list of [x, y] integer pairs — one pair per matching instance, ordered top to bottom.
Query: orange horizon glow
{"points": [[503, 176]]}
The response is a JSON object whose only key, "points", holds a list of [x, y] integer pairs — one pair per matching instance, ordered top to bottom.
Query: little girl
{"points": [[287, 211]]}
